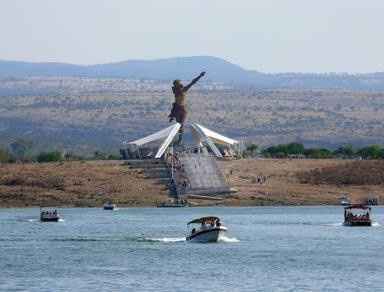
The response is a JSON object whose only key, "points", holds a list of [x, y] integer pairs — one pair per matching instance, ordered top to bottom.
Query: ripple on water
{"points": [[295, 249]]}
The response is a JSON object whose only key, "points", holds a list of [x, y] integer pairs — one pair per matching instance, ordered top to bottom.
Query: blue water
{"points": [[266, 249]]}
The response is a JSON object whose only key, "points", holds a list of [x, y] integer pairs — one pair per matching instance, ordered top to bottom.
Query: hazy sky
{"points": [[265, 35]]}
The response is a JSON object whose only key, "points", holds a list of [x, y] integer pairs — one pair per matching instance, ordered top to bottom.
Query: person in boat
{"points": [[179, 112], [203, 226]]}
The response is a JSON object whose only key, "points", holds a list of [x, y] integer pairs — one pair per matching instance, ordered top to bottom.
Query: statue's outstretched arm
{"points": [[194, 81]]}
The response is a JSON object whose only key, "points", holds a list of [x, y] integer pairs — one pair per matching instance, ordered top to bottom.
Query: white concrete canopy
{"points": [[200, 135], [218, 138]]}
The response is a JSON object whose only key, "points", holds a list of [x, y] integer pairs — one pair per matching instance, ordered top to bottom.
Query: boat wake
{"points": [[38, 220], [338, 224], [374, 224], [166, 239], [181, 239], [228, 239]]}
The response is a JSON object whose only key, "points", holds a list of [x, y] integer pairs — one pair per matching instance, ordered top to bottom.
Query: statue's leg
{"points": [[171, 116], [180, 118]]}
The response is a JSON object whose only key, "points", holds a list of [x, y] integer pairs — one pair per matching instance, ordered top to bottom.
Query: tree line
{"points": [[297, 150], [21, 151]]}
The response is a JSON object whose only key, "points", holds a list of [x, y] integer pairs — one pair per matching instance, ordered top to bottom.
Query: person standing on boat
{"points": [[179, 112]]}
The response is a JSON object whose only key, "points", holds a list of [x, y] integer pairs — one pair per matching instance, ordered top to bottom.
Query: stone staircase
{"points": [[154, 169], [197, 175], [202, 176]]}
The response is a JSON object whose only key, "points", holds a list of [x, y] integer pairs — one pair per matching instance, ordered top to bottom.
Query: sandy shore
{"points": [[91, 183]]}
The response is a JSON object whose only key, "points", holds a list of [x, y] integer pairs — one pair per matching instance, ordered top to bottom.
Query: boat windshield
{"points": [[357, 214], [205, 220]]}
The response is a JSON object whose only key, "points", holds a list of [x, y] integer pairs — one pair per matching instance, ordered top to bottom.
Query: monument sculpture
{"points": [[179, 111], [193, 166]]}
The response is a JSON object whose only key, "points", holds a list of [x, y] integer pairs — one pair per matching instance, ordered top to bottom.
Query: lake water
{"points": [[132, 249]]}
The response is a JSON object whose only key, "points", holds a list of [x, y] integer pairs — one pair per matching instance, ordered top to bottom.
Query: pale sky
{"points": [[264, 35]]}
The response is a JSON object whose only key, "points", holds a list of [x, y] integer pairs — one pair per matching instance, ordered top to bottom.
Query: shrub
{"points": [[20, 149], [251, 150], [283, 150], [345, 151], [318, 153], [4, 156], [50, 156], [69, 156]]}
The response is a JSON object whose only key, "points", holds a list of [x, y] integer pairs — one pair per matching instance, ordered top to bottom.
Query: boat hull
{"points": [[171, 205], [109, 208], [55, 219], [357, 223], [205, 236]]}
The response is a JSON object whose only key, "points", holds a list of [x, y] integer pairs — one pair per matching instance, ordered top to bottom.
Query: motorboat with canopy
{"points": [[50, 215], [357, 215], [205, 229]]}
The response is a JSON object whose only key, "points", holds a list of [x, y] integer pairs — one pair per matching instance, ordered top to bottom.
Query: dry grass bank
{"points": [[288, 182], [302, 182], [76, 184]]}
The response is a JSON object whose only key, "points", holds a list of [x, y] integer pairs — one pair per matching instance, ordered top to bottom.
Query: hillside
{"points": [[186, 67], [83, 115]]}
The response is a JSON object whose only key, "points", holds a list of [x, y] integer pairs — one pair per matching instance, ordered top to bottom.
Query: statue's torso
{"points": [[180, 99]]}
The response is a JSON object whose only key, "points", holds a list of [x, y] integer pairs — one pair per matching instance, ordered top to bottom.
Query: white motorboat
{"points": [[344, 201], [205, 229]]}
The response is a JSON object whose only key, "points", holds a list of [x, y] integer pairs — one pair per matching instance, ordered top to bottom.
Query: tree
{"points": [[295, 148], [20, 149], [251, 150], [283, 150], [345, 151], [371, 152], [318, 153], [98, 155], [4, 156], [50, 156]]}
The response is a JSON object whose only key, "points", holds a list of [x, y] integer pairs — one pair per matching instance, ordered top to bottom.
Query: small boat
{"points": [[344, 201], [177, 203], [109, 206], [49, 215], [357, 215], [209, 229]]}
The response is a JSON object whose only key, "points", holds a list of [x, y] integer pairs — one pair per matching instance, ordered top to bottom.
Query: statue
{"points": [[179, 112]]}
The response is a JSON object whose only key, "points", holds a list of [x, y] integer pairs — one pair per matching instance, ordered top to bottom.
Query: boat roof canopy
{"points": [[357, 206], [204, 220]]}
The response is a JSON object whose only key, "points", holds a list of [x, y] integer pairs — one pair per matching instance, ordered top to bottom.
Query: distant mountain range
{"points": [[218, 70]]}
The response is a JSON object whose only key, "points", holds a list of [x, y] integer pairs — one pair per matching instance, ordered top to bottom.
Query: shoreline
{"points": [[73, 184], [206, 206]]}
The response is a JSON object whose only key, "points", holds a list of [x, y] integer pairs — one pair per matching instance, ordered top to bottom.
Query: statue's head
{"points": [[177, 83]]}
